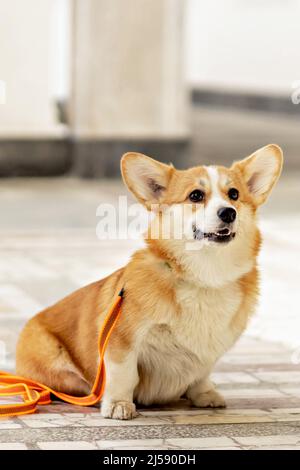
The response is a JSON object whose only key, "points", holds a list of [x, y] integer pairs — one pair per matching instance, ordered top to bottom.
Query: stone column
{"points": [[128, 91]]}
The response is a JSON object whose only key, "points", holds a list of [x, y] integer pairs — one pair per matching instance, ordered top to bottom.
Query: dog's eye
{"points": [[233, 194], [196, 196]]}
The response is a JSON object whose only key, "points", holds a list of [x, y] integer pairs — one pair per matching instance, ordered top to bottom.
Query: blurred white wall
{"points": [[61, 37], [251, 45], [34, 65]]}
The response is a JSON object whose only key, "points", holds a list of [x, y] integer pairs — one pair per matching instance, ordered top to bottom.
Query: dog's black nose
{"points": [[227, 214]]}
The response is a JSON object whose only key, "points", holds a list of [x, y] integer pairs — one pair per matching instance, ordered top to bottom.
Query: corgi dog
{"points": [[187, 298]]}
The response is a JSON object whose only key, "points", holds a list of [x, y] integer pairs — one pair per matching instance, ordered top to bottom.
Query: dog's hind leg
{"points": [[42, 357], [204, 395]]}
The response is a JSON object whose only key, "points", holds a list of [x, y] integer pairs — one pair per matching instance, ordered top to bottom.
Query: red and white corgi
{"points": [[187, 298]]}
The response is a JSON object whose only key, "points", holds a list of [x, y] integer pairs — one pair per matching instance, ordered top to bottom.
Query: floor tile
{"points": [[268, 440], [201, 443], [129, 444], [67, 445], [12, 446]]}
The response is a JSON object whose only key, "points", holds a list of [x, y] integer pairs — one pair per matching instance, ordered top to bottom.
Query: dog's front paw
{"points": [[210, 399], [118, 410]]}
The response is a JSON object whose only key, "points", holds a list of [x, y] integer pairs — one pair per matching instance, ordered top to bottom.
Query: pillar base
{"points": [[34, 157], [87, 158], [101, 158]]}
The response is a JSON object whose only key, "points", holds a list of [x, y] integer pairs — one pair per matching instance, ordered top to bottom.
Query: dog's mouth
{"points": [[220, 236]]}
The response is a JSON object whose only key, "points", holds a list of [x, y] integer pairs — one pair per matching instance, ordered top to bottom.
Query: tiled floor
{"points": [[49, 248]]}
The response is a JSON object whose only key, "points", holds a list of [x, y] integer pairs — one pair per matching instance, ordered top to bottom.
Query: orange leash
{"points": [[34, 393]]}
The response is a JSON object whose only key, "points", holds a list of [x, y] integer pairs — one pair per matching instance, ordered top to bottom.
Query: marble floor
{"points": [[48, 248]]}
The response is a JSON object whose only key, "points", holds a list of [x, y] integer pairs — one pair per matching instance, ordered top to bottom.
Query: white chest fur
{"points": [[203, 325], [184, 348]]}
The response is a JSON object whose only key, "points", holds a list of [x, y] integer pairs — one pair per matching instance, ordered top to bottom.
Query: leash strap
{"points": [[34, 393]]}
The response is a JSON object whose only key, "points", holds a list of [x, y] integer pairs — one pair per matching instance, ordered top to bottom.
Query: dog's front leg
{"points": [[121, 380], [203, 394]]}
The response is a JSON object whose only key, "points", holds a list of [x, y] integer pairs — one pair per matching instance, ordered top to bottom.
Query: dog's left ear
{"points": [[261, 171], [145, 177]]}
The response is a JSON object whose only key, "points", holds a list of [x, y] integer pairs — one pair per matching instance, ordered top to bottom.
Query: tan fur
{"points": [[182, 310]]}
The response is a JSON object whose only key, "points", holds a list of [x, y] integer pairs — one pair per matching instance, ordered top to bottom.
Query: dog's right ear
{"points": [[146, 178]]}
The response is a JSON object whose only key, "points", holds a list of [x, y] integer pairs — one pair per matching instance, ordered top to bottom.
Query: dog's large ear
{"points": [[261, 171], [146, 178]]}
